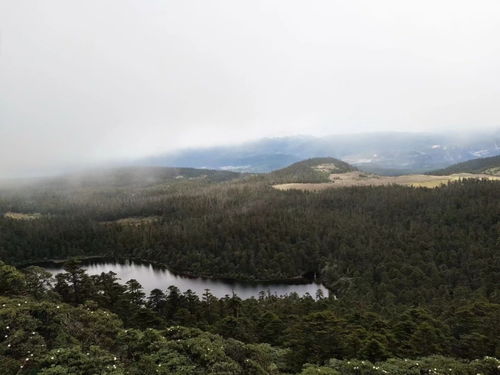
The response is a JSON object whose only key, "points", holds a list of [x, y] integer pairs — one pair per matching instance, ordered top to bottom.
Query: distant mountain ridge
{"points": [[387, 153], [489, 165]]}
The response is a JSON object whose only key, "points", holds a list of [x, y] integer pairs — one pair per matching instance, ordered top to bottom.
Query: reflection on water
{"points": [[156, 277]]}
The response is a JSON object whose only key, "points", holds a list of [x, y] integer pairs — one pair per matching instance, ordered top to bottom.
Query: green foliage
{"points": [[11, 280], [38, 281], [40, 334], [315, 338], [60, 339], [374, 349], [73, 361], [427, 365], [317, 370]]}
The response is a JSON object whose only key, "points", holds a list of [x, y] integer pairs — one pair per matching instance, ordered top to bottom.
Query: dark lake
{"points": [[152, 277]]}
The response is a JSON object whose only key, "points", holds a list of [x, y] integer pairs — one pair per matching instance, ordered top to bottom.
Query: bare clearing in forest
{"points": [[329, 167], [357, 178], [22, 216], [133, 221]]}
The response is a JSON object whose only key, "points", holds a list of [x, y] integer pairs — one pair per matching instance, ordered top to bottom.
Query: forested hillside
{"points": [[489, 165], [310, 170], [415, 271]]}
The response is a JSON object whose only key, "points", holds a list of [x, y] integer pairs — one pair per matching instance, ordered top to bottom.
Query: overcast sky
{"points": [[83, 81]]}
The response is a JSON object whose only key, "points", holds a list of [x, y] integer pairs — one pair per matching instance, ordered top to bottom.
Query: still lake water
{"points": [[151, 277]]}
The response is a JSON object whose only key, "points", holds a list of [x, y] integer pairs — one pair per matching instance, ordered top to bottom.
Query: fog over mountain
{"points": [[88, 82], [385, 153]]}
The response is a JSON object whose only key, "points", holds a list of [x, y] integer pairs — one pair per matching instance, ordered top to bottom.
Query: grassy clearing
{"points": [[338, 180], [22, 216], [133, 221]]}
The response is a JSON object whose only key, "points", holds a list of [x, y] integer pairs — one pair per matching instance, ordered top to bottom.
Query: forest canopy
{"points": [[415, 272]]}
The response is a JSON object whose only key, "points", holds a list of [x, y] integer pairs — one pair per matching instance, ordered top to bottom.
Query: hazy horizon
{"points": [[87, 83], [376, 139]]}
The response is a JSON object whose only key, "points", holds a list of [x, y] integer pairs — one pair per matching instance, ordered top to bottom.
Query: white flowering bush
{"points": [[433, 365]]}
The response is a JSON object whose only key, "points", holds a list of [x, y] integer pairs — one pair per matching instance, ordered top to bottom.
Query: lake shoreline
{"points": [[155, 275], [297, 280]]}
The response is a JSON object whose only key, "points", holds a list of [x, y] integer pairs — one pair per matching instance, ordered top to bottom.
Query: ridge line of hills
{"points": [[387, 153], [490, 165], [312, 170]]}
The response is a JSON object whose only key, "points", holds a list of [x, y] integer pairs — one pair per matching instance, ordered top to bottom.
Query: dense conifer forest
{"points": [[415, 272], [81, 324]]}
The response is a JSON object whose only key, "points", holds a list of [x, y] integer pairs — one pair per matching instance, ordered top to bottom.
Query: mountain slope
{"points": [[388, 153], [482, 165], [326, 173]]}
